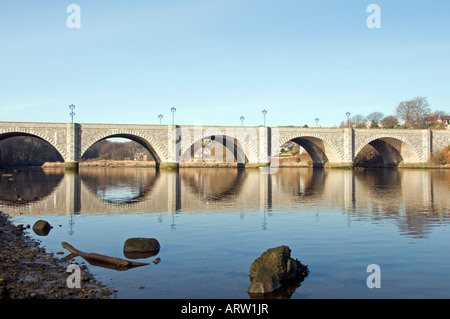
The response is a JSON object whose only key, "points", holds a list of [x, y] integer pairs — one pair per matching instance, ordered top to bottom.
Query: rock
{"points": [[41, 227], [141, 247], [275, 268], [264, 280]]}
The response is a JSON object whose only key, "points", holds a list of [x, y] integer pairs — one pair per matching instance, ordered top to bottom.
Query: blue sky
{"points": [[217, 60]]}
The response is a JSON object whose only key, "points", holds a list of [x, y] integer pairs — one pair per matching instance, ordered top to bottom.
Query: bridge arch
{"points": [[36, 134], [150, 146], [320, 149], [392, 149], [242, 152]]}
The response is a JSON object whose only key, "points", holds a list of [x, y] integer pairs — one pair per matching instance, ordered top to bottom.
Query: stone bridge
{"points": [[248, 146]]}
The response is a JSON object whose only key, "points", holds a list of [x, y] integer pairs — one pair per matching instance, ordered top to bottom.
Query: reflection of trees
{"points": [[138, 183], [213, 184], [24, 186], [407, 199]]}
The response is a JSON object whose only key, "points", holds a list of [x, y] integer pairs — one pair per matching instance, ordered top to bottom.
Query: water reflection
{"points": [[120, 185], [22, 186], [416, 200]]}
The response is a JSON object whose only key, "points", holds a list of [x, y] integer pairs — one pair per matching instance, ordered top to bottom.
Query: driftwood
{"points": [[102, 260]]}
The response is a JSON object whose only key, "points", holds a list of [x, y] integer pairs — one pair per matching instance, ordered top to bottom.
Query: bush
{"points": [[441, 157]]}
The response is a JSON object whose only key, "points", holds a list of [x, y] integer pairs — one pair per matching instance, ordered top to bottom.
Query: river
{"points": [[213, 223]]}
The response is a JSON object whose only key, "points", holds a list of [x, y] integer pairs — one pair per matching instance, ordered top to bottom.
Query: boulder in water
{"points": [[141, 247], [275, 268]]}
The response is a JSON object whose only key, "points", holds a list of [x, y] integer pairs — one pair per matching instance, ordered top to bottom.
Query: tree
{"points": [[414, 113], [375, 116], [358, 118], [389, 122]]}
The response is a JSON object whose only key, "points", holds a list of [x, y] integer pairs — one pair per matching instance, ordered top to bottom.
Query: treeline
{"points": [[415, 113], [27, 151], [33, 151], [117, 151]]}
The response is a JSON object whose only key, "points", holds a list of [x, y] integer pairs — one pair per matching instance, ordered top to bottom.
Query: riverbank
{"points": [[281, 162], [27, 271]]}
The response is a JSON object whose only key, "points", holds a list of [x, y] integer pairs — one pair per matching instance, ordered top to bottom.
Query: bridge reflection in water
{"points": [[416, 198]]}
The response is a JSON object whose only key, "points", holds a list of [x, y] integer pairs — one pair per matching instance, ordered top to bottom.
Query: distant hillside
{"points": [[117, 151]]}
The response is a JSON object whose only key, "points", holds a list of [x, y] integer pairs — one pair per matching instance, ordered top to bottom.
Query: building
{"points": [[441, 119]]}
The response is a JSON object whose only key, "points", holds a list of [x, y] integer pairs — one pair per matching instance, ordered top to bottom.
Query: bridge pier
{"points": [[169, 165], [71, 166]]}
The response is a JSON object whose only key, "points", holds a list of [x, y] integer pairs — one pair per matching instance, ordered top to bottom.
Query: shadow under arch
{"points": [[138, 139], [47, 142], [234, 149], [320, 151], [392, 151], [203, 182], [119, 186]]}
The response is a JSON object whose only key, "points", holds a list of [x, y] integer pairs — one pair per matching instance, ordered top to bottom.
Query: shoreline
{"points": [[287, 164], [27, 271]]}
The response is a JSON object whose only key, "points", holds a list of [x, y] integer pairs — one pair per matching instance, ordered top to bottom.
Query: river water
{"points": [[213, 223]]}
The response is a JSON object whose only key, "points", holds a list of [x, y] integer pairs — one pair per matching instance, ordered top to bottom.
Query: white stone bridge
{"points": [[248, 146]]}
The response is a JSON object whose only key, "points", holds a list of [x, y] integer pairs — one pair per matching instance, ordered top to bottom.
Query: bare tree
{"points": [[414, 113], [375, 117], [358, 118], [389, 122]]}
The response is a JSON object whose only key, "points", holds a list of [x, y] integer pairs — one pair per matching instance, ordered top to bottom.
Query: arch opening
{"points": [[122, 147], [24, 149], [215, 150], [318, 152], [385, 152]]}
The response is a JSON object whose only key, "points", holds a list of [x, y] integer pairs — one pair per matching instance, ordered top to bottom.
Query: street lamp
{"points": [[264, 112], [72, 113], [173, 115], [160, 116], [348, 118], [242, 120], [317, 122]]}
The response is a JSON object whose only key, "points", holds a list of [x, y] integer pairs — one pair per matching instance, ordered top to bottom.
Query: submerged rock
{"points": [[41, 227], [141, 247], [274, 269]]}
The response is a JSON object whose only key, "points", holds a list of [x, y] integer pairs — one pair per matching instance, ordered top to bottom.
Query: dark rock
{"points": [[41, 227], [141, 247], [274, 269]]}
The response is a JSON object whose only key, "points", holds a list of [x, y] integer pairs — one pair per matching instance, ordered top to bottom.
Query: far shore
{"points": [[152, 164]]}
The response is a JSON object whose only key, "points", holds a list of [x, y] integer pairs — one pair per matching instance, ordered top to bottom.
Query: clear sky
{"points": [[217, 60]]}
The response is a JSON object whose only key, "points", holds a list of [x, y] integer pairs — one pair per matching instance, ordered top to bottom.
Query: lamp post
{"points": [[264, 112], [72, 113], [173, 115], [160, 116], [348, 118], [242, 120], [317, 122]]}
